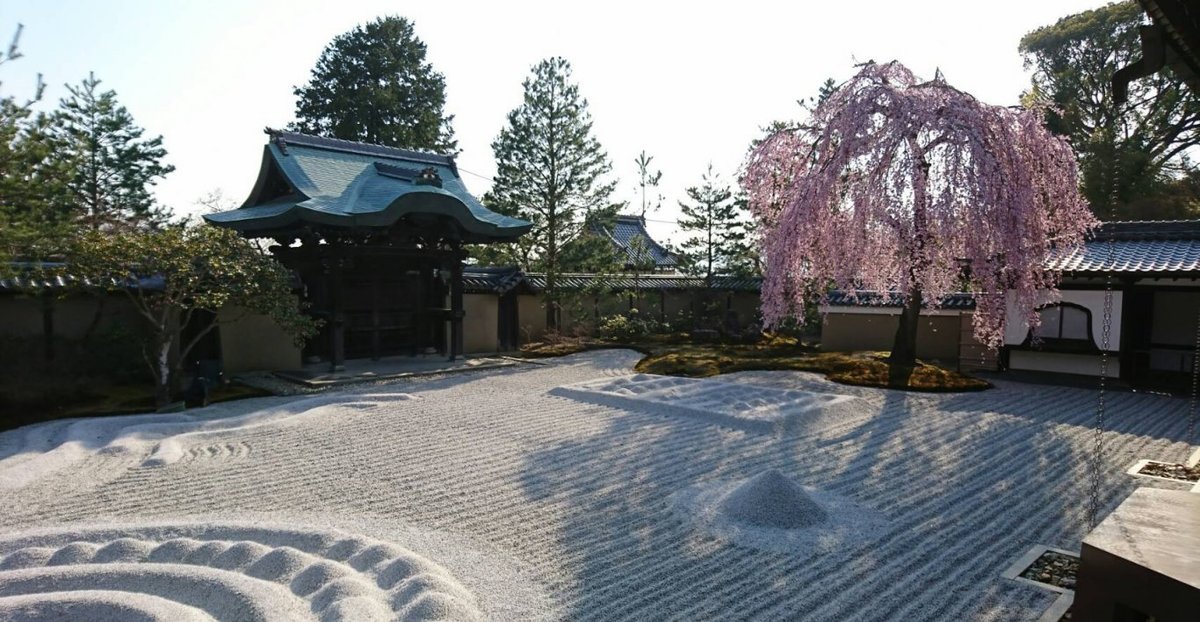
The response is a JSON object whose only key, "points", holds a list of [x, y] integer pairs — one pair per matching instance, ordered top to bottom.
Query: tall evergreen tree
{"points": [[373, 85], [1135, 152], [114, 167], [551, 171], [35, 222], [32, 223], [718, 235], [639, 256]]}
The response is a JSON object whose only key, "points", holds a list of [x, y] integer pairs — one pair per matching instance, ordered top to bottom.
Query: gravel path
{"points": [[543, 503]]}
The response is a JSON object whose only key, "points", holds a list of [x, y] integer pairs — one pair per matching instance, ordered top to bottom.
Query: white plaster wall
{"points": [[1176, 282], [856, 310], [1016, 328], [1058, 362]]}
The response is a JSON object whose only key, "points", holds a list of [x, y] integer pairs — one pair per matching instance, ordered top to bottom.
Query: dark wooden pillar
{"points": [[423, 284], [662, 306], [456, 309], [337, 320], [48, 326], [1126, 345], [376, 346]]}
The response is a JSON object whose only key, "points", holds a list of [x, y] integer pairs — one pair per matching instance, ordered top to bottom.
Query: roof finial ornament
{"points": [[277, 138], [429, 177]]}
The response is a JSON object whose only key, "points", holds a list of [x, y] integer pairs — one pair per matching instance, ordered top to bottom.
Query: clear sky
{"points": [[689, 82]]}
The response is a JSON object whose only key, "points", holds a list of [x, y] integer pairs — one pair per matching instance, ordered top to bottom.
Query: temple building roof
{"points": [[323, 182], [635, 247]]}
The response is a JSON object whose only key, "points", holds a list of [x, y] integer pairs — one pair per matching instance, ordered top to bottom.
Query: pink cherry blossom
{"points": [[896, 184]]}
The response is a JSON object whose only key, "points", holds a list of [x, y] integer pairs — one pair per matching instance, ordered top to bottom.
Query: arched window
{"points": [[1064, 325]]}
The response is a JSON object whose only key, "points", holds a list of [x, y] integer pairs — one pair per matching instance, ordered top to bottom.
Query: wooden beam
{"points": [[456, 310]]}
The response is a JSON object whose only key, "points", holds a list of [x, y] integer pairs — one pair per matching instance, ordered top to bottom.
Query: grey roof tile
{"points": [[628, 228], [1146, 255]]}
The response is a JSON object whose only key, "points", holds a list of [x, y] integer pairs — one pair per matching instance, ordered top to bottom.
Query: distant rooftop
{"points": [[627, 231]]}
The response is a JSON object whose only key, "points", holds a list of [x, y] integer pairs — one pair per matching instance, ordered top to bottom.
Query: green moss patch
{"points": [[674, 356], [859, 368]]}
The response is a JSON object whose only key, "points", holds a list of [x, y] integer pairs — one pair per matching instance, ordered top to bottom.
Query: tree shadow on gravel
{"points": [[1161, 417], [967, 493], [628, 556], [632, 556]]}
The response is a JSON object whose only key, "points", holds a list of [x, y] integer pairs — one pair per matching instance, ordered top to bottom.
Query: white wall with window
{"points": [[1071, 335]]}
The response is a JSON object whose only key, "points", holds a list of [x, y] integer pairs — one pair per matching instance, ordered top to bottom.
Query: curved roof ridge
{"points": [[366, 149]]}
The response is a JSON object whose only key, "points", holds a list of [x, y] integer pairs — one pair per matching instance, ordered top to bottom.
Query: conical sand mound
{"points": [[771, 500]]}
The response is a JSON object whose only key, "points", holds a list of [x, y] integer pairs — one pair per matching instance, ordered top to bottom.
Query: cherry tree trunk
{"points": [[904, 348]]}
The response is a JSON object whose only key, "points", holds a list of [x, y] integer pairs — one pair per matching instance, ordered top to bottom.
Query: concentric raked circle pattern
{"points": [[221, 572]]}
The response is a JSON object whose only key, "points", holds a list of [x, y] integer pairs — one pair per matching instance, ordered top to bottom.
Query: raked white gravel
{"points": [[542, 492]]}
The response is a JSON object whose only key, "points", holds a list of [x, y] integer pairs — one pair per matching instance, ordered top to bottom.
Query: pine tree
{"points": [[373, 85], [114, 167], [551, 171], [648, 181], [35, 221], [32, 222], [719, 236], [639, 256]]}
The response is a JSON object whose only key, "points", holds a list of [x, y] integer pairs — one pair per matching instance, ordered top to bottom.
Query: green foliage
{"points": [[373, 85], [827, 89], [805, 103], [1142, 145], [113, 168], [551, 170], [648, 181], [33, 220], [716, 222], [32, 224], [639, 257], [171, 274], [630, 326]]}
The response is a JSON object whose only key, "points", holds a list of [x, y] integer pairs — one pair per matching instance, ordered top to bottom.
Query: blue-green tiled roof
{"points": [[354, 185], [628, 228]]}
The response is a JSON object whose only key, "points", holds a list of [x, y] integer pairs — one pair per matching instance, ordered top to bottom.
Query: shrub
{"points": [[632, 326]]}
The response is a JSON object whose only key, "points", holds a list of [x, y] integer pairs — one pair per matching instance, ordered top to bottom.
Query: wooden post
{"points": [[423, 283], [456, 309], [337, 323], [48, 326], [376, 346]]}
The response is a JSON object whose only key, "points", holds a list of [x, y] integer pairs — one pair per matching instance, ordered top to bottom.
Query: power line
{"points": [[476, 174], [648, 219]]}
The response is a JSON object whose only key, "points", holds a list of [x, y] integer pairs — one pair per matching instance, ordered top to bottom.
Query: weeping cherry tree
{"points": [[898, 185]]}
